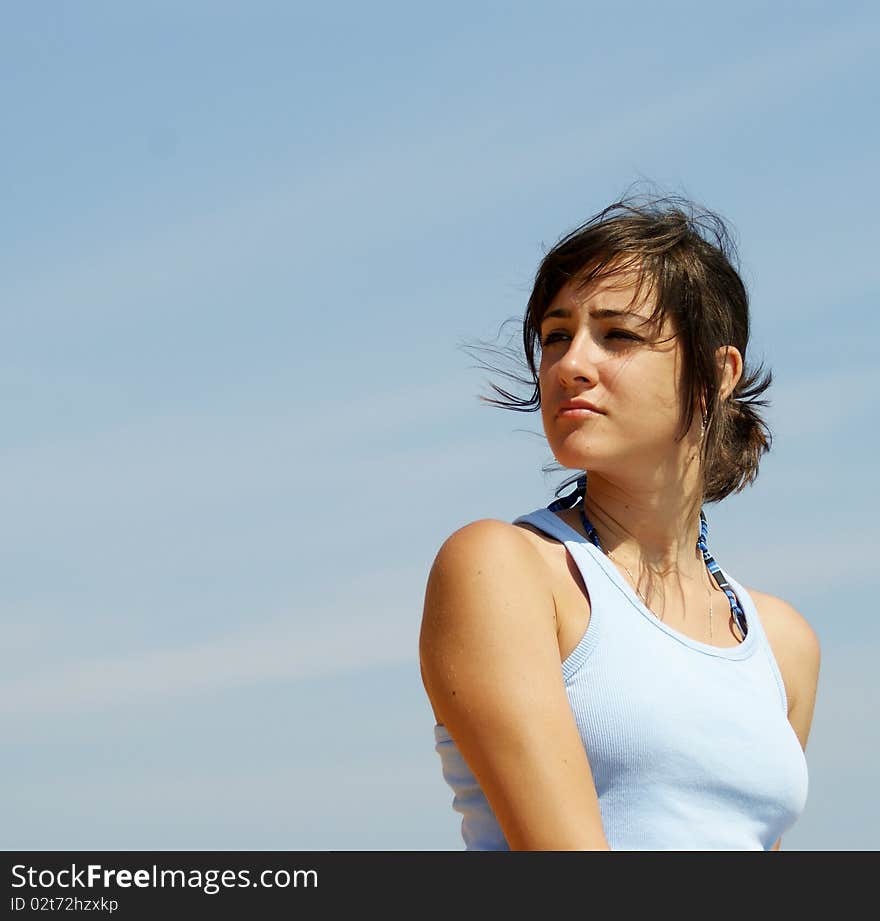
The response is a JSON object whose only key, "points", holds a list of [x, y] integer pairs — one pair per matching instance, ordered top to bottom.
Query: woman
{"points": [[598, 681]]}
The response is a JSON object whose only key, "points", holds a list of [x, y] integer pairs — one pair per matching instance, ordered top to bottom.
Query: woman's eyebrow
{"points": [[600, 313]]}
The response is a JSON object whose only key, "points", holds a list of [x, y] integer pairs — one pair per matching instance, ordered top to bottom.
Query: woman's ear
{"points": [[730, 368]]}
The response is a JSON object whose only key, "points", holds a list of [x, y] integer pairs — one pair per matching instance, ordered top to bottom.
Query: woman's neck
{"points": [[655, 529]]}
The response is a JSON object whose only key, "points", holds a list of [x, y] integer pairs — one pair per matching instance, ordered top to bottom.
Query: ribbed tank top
{"points": [[689, 744]]}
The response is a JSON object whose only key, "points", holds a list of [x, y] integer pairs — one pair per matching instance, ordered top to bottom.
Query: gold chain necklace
{"points": [[645, 600]]}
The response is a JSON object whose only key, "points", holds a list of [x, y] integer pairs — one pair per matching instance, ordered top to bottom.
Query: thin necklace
{"points": [[644, 599]]}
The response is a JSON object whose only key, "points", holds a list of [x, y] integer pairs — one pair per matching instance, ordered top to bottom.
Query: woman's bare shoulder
{"points": [[484, 536], [485, 563], [486, 582], [782, 621], [797, 650]]}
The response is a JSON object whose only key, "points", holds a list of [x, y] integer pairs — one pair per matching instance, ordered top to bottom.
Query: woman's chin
{"points": [[578, 460]]}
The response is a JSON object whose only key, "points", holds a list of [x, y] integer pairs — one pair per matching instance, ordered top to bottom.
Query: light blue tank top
{"points": [[689, 744]]}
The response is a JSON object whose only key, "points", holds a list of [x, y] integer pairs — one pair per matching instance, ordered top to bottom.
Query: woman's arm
{"points": [[797, 652], [490, 665]]}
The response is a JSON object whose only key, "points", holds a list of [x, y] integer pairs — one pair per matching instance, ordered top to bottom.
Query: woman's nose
{"points": [[579, 361]]}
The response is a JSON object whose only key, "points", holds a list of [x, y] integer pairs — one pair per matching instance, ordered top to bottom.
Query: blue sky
{"points": [[242, 246]]}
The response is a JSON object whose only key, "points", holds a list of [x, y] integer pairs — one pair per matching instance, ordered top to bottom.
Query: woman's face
{"points": [[598, 346]]}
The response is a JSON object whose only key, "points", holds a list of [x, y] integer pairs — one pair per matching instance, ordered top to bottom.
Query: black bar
{"points": [[257, 884]]}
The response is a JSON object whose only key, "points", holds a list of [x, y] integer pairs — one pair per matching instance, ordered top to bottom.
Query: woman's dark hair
{"points": [[686, 256]]}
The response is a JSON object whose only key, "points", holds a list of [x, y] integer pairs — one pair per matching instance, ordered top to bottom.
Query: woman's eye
{"points": [[622, 334], [558, 336]]}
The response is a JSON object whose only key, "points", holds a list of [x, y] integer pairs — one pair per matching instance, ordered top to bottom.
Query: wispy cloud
{"points": [[289, 211], [372, 620]]}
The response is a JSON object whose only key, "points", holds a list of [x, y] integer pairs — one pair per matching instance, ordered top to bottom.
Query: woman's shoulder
{"points": [[484, 539], [521, 550], [485, 569], [486, 582], [784, 623], [797, 650]]}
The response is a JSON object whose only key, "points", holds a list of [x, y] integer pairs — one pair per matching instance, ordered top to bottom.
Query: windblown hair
{"points": [[686, 256]]}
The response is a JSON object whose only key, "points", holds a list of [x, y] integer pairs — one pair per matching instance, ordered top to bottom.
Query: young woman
{"points": [[598, 680]]}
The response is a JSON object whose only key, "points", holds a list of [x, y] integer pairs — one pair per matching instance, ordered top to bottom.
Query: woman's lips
{"points": [[578, 408]]}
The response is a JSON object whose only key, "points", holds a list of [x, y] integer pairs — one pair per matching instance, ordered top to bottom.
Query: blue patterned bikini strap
{"points": [[577, 496], [572, 499]]}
